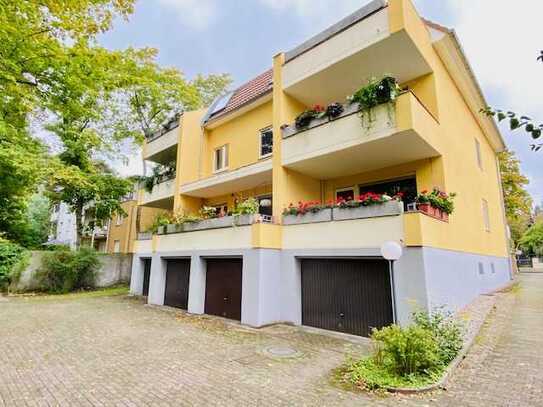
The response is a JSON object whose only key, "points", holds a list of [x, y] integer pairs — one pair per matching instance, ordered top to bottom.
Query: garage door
{"points": [[146, 276], [177, 283], [223, 288], [351, 296]]}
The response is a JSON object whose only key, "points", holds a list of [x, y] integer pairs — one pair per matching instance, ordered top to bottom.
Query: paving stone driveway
{"points": [[116, 351]]}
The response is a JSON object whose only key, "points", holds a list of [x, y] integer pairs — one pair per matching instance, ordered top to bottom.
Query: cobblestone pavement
{"points": [[117, 352]]}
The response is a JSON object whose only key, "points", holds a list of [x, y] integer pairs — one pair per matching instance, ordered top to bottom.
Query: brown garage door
{"points": [[146, 276], [177, 283], [223, 288], [346, 295]]}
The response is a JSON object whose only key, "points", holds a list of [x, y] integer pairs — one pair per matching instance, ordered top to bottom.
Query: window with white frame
{"points": [[266, 142], [478, 154], [220, 158], [486, 215], [119, 221], [116, 246]]}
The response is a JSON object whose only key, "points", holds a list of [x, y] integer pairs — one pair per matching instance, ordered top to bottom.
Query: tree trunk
{"points": [[78, 226]]}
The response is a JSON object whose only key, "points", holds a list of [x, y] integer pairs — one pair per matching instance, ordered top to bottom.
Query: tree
{"points": [[34, 37], [519, 121], [95, 188], [517, 200], [532, 240]]}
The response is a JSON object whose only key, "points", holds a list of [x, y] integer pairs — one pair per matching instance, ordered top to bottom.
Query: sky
{"points": [[501, 39]]}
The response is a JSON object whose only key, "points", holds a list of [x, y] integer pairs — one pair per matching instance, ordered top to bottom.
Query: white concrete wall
{"points": [[161, 143], [160, 191], [356, 233], [212, 239]]}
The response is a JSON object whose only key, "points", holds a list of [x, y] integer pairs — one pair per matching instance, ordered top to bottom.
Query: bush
{"points": [[11, 255], [63, 271], [446, 331], [406, 351], [409, 357]]}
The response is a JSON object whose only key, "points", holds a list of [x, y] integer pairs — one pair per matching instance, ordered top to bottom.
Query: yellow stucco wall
{"points": [[442, 117], [242, 135], [461, 174]]}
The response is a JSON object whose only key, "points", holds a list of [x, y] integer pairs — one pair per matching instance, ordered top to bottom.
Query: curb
{"points": [[442, 383]]}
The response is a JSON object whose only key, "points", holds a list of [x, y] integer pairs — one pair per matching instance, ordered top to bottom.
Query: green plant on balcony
{"points": [[375, 93], [307, 116], [159, 174], [437, 199], [249, 206], [208, 212], [161, 219]]}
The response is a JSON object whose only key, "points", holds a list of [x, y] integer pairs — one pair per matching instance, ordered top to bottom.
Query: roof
{"points": [[436, 26], [246, 93]]}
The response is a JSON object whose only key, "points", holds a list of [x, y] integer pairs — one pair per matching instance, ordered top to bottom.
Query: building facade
{"points": [[328, 272]]}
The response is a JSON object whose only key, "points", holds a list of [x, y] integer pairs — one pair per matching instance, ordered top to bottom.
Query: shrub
{"points": [[11, 255], [63, 271], [446, 331], [406, 351], [409, 357]]}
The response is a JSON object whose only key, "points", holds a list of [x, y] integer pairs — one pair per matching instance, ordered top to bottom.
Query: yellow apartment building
{"points": [[325, 269]]}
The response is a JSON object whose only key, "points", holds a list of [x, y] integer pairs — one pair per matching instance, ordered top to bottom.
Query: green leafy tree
{"points": [[34, 51], [518, 122], [517, 200], [532, 240]]}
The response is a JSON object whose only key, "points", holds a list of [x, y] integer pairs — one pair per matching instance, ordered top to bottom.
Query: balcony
{"points": [[337, 61], [390, 134], [162, 146], [228, 182], [161, 196], [363, 227], [220, 234]]}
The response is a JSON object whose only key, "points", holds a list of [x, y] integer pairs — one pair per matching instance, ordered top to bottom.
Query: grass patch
{"points": [[116, 290], [366, 374]]}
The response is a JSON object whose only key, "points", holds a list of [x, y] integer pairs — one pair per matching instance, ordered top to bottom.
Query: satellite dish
{"points": [[391, 250]]}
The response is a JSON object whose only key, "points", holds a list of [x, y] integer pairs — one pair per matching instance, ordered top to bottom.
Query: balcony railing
{"points": [[362, 140], [163, 190], [215, 223]]}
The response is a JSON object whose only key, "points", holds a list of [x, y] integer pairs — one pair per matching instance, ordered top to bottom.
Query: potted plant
{"points": [[334, 110], [304, 119], [423, 203], [437, 203], [367, 205], [245, 212], [306, 212]]}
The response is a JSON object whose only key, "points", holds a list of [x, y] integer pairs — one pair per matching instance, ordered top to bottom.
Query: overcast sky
{"points": [[501, 38]]}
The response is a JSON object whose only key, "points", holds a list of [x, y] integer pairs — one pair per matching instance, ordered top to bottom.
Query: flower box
{"points": [[372, 211], [324, 215], [444, 216], [244, 220], [174, 228], [161, 230]]}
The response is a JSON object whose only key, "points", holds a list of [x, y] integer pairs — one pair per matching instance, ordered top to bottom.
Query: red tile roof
{"points": [[248, 92]]}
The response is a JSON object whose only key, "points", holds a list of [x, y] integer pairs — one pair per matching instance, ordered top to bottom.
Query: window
{"points": [[266, 142], [478, 154], [221, 158], [407, 186], [345, 193], [486, 216], [119, 220], [116, 246]]}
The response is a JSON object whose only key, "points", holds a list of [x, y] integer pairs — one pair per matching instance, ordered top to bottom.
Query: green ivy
{"points": [[11, 256]]}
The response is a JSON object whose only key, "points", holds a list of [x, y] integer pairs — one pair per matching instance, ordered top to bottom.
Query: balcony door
{"points": [[407, 186]]}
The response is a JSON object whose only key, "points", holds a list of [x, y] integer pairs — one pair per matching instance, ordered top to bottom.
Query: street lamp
{"points": [[392, 251]]}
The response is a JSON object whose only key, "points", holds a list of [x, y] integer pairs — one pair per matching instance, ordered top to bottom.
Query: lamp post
{"points": [[392, 251]]}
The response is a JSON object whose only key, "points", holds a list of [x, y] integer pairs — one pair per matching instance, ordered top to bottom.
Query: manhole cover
{"points": [[282, 352]]}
